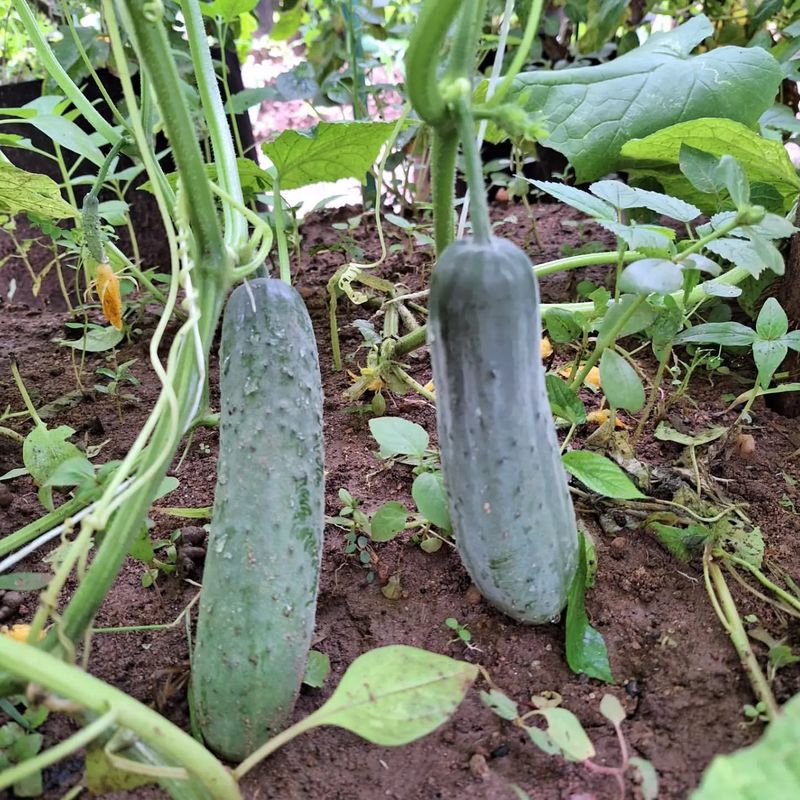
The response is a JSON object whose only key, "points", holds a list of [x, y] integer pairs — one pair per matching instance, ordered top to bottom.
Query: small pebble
{"points": [[744, 446], [193, 534], [618, 545], [473, 595], [12, 600], [478, 767]]}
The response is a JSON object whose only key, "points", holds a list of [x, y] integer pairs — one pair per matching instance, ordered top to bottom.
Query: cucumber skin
{"points": [[509, 500], [258, 600]]}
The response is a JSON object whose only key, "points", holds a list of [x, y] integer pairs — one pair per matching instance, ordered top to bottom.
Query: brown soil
{"points": [[677, 674]]}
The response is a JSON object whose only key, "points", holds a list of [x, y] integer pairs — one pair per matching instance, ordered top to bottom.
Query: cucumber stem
{"points": [[444, 151], [479, 213], [280, 231]]}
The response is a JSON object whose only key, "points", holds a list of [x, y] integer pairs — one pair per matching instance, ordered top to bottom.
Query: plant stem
{"points": [[531, 27], [461, 62], [444, 151], [479, 214], [280, 231], [605, 340], [651, 401], [10, 434], [788, 598], [724, 603], [31, 665], [272, 745]]}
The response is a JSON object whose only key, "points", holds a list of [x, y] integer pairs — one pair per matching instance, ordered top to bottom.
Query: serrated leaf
{"points": [[593, 111], [333, 150], [30, 192], [621, 196], [577, 198], [640, 237], [621, 385], [398, 436], [600, 474], [430, 495], [388, 521], [586, 650], [393, 695], [501, 704], [612, 710], [566, 731]]}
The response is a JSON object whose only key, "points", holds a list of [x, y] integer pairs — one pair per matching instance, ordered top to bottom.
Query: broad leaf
{"points": [[227, 10], [594, 110], [68, 135], [332, 150], [659, 156], [30, 192], [621, 196], [641, 237], [743, 253], [651, 276], [638, 321], [772, 322], [562, 325], [727, 334], [95, 340], [768, 356], [621, 385], [564, 402], [666, 433], [398, 436], [44, 449], [600, 474], [431, 498], [388, 521], [683, 543], [24, 581], [586, 650], [318, 667], [396, 694], [501, 704], [612, 709], [566, 731], [767, 769], [646, 776]]}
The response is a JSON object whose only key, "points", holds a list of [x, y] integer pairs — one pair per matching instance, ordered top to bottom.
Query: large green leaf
{"points": [[594, 110], [333, 150], [763, 160], [31, 192], [393, 695], [768, 769]]}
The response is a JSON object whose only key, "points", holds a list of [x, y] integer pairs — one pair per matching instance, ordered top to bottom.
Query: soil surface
{"points": [[677, 674]]}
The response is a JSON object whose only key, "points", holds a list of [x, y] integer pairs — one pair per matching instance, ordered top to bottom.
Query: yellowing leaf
{"points": [[545, 348], [600, 417]]}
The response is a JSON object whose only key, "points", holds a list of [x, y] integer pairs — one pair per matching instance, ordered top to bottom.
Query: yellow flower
{"points": [[545, 348], [592, 377], [601, 416], [19, 632]]}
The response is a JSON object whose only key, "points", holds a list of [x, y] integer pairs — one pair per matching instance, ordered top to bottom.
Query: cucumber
{"points": [[507, 490], [259, 594]]}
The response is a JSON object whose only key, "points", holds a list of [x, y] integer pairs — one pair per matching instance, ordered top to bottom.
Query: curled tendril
{"points": [[153, 10]]}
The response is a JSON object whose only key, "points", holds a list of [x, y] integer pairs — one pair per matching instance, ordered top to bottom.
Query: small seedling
{"points": [[462, 631], [20, 742]]}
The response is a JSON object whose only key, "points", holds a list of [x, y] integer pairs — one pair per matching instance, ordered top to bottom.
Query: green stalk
{"points": [[531, 27], [422, 58], [461, 62], [58, 73], [214, 111], [444, 151], [479, 213], [280, 231], [604, 341], [31, 665]]}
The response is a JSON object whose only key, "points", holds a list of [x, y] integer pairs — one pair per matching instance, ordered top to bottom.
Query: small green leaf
{"points": [[227, 10], [331, 151], [700, 169], [733, 177], [621, 196], [577, 198], [651, 276], [640, 319], [772, 322], [562, 325], [95, 340], [768, 357], [621, 385], [564, 402], [398, 436], [44, 449], [72, 472], [600, 474], [431, 498], [388, 521], [24, 581], [586, 650], [318, 667], [393, 695], [501, 704], [612, 710], [566, 731], [543, 741], [646, 776]]}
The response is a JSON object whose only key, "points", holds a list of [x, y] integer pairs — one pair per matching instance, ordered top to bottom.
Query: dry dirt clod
{"points": [[744, 446], [5, 496], [618, 545], [473, 595], [478, 767]]}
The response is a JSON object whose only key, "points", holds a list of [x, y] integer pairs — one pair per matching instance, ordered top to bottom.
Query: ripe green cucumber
{"points": [[509, 500], [259, 595]]}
